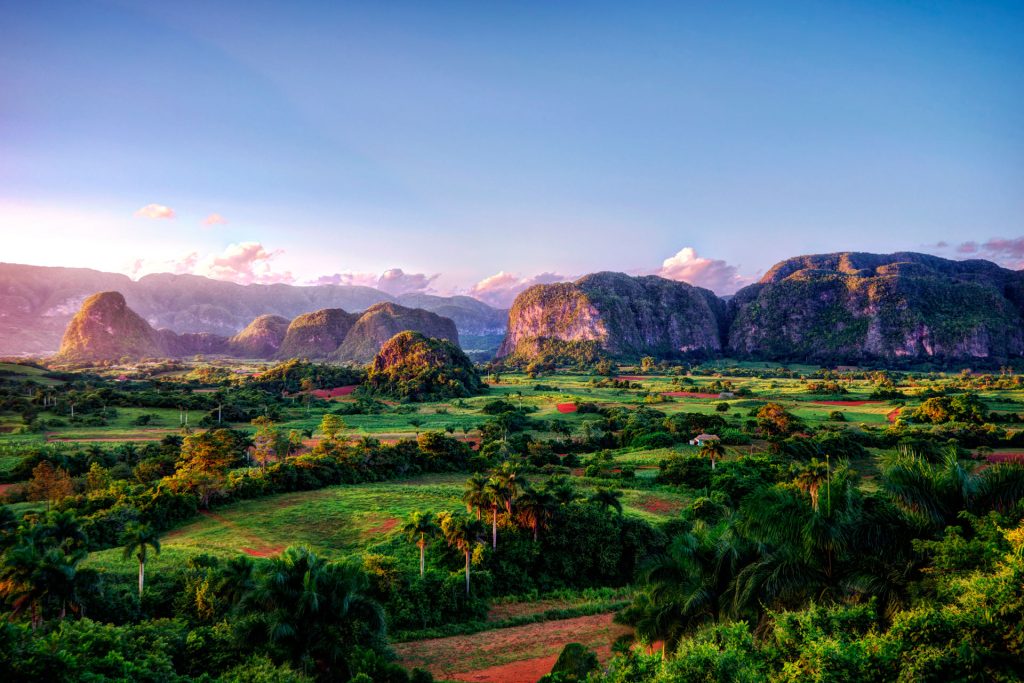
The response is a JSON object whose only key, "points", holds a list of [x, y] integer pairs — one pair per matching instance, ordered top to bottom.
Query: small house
{"points": [[702, 439]]}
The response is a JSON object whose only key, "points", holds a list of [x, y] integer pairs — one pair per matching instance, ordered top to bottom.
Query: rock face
{"points": [[37, 302], [856, 306], [618, 314], [381, 322], [105, 329], [317, 334], [262, 338], [413, 366]]}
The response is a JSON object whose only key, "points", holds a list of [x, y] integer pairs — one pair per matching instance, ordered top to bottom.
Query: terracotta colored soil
{"points": [[631, 378], [335, 392], [688, 394], [844, 403], [566, 407], [892, 415], [1005, 457], [660, 506], [384, 527], [258, 549], [520, 654]]}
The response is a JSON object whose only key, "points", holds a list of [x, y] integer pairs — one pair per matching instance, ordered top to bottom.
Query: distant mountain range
{"points": [[37, 303], [826, 308]]}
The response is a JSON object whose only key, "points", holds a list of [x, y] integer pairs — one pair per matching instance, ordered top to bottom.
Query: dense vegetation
{"points": [[818, 537]]}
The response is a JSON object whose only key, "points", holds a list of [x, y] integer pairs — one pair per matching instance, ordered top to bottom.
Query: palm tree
{"points": [[712, 449], [507, 475], [809, 479], [561, 489], [495, 493], [475, 496], [608, 499], [535, 508], [421, 526], [64, 529], [463, 534], [137, 540], [58, 574], [235, 579], [21, 584], [315, 612]]}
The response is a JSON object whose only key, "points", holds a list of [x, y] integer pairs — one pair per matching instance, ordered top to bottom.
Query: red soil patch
{"points": [[631, 378], [335, 392], [688, 394], [844, 403], [566, 407], [892, 415], [1005, 457], [660, 506], [384, 527], [258, 549], [264, 551], [525, 671]]}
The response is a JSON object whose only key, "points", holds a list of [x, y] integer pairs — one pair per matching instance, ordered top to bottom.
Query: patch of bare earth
{"points": [[520, 654]]}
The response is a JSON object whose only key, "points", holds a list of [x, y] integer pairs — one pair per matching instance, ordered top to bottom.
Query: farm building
{"points": [[702, 439]]}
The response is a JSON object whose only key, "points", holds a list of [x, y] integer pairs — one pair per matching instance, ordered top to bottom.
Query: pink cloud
{"points": [[156, 211], [215, 219], [1007, 252], [245, 263], [714, 274], [393, 281], [502, 288]]}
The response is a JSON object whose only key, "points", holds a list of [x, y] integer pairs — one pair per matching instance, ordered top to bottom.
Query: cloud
{"points": [[157, 211], [215, 219], [1007, 252], [245, 263], [714, 274], [394, 281], [501, 288]]}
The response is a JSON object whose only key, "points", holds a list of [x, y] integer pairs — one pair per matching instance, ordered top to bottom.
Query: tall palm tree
{"points": [[712, 449], [507, 477], [809, 479], [495, 493], [474, 495], [608, 499], [535, 508], [420, 527], [463, 534], [137, 540], [58, 574]]}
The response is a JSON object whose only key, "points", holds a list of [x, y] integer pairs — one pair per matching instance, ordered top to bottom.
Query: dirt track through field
{"points": [[259, 547], [520, 654]]}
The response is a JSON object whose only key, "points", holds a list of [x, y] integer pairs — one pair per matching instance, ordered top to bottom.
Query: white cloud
{"points": [[156, 211], [215, 219], [714, 274], [501, 288]]}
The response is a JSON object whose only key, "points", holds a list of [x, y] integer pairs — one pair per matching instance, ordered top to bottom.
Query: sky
{"points": [[479, 147]]}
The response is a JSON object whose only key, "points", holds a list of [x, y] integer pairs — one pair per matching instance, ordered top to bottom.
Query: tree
{"points": [[647, 364], [773, 420], [331, 426], [269, 443], [713, 450], [810, 478], [49, 484], [495, 492], [475, 494], [608, 499], [535, 508], [419, 528], [463, 534], [137, 540], [20, 581], [317, 614]]}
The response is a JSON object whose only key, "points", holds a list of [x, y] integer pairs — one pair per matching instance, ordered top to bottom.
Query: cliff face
{"points": [[37, 303], [869, 306], [619, 314], [381, 322], [105, 328], [317, 334], [262, 338]]}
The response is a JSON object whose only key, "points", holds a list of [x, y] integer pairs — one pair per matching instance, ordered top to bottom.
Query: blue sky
{"points": [[466, 139]]}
